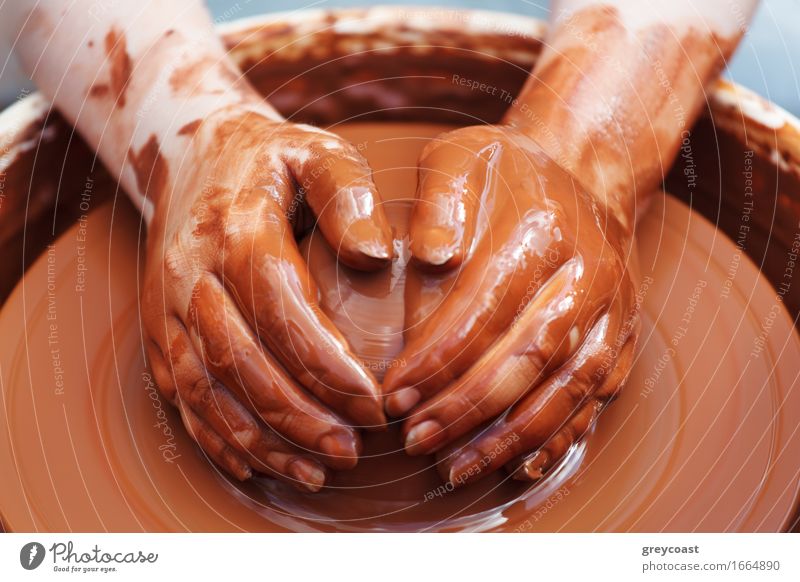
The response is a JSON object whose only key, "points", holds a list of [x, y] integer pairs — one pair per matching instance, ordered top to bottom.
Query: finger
{"points": [[452, 179], [337, 183], [268, 277], [423, 293], [485, 299], [547, 333], [229, 350], [161, 373], [618, 376], [540, 415], [200, 432], [213, 445], [257, 446], [261, 448], [274, 456], [533, 466]]}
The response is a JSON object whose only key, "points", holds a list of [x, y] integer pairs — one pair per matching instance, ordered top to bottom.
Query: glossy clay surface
{"points": [[702, 438]]}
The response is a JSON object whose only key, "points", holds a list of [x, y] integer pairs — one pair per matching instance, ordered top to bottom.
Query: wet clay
{"points": [[119, 63], [119, 73], [149, 168], [691, 444]]}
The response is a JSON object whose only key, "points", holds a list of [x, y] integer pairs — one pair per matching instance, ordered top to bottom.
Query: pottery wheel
{"points": [[704, 437]]}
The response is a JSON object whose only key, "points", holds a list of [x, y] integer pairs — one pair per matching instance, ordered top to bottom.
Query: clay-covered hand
{"points": [[538, 327], [263, 379]]}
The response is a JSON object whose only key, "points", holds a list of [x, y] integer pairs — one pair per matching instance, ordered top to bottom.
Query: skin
{"points": [[529, 226], [232, 329]]}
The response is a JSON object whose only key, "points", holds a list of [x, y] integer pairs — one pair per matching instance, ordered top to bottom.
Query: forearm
{"points": [[131, 76], [619, 85]]}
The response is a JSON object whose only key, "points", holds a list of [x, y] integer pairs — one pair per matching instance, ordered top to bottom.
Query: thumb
{"points": [[452, 178], [337, 183]]}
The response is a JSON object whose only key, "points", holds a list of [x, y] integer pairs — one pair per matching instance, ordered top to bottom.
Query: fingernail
{"points": [[371, 240], [437, 246], [375, 249], [371, 256], [402, 400], [367, 412], [424, 437], [342, 448], [235, 465], [466, 466], [534, 468], [238, 469], [308, 474]]}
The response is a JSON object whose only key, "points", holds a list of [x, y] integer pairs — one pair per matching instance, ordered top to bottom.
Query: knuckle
{"points": [[235, 234], [175, 264], [537, 352], [224, 353], [221, 357], [580, 380], [164, 382], [197, 391], [205, 399], [472, 401], [287, 423], [246, 436]]}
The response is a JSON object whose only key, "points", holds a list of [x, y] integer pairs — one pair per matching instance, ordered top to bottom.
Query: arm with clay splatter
{"points": [[125, 72], [538, 214], [233, 331]]}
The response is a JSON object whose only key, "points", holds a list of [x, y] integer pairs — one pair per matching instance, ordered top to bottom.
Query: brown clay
{"points": [[119, 64], [150, 168]]}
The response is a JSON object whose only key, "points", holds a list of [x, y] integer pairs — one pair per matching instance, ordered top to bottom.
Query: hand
{"points": [[539, 327], [237, 341]]}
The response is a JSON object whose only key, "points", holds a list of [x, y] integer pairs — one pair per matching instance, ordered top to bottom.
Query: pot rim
{"points": [[750, 116]]}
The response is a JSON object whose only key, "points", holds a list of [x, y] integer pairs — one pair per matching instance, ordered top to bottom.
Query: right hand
{"points": [[237, 341]]}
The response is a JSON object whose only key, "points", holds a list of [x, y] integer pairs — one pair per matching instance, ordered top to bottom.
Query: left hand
{"points": [[540, 325]]}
